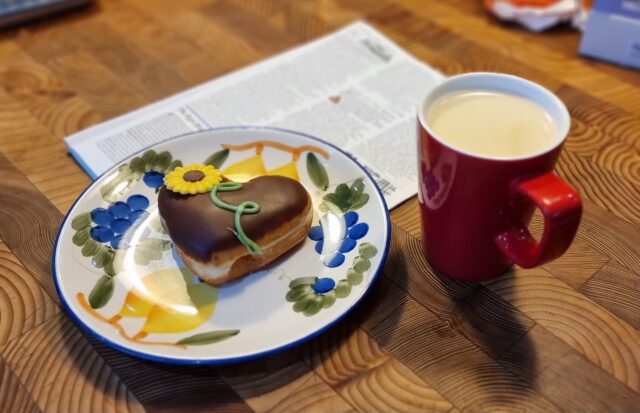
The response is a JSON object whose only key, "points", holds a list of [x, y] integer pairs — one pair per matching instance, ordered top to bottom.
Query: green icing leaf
{"points": [[217, 159], [317, 172], [81, 221], [81, 237], [90, 248], [367, 251], [361, 264], [354, 277], [301, 281], [343, 289], [101, 292], [328, 299], [209, 337]]}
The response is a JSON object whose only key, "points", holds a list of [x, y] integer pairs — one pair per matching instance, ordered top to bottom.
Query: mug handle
{"points": [[561, 208]]}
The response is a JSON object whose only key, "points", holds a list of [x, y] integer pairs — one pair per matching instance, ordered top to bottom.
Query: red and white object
{"points": [[535, 15]]}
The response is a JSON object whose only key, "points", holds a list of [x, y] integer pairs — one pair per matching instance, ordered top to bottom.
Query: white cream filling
{"points": [[210, 271]]}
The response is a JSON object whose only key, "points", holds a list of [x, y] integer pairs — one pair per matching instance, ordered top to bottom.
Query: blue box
{"points": [[613, 32]]}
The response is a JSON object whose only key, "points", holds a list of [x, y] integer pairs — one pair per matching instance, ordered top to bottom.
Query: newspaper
{"points": [[354, 88]]}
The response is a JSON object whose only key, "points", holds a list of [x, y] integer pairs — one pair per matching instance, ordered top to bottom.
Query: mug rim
{"points": [[519, 86]]}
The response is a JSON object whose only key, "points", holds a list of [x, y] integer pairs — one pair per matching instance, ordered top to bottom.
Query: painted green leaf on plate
{"points": [[217, 159], [317, 172], [81, 221], [81, 237], [367, 251], [302, 281], [101, 292], [209, 337]]}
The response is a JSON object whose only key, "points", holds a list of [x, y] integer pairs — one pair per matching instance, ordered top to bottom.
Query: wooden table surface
{"points": [[564, 337]]}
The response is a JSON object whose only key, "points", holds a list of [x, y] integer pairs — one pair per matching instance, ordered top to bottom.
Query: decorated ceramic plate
{"points": [[117, 271]]}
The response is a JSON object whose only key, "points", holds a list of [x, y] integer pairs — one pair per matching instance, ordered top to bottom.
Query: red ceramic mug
{"points": [[476, 208]]}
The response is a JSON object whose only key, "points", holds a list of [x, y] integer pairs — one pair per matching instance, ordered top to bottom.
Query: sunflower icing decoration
{"points": [[192, 179]]}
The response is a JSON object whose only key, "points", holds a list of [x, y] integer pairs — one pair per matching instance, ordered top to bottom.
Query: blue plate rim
{"points": [[228, 360]]}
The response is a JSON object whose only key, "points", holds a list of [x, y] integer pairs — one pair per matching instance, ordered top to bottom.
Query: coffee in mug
{"points": [[491, 123], [487, 145]]}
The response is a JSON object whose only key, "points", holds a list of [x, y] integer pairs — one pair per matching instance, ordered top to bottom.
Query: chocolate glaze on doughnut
{"points": [[200, 228]]}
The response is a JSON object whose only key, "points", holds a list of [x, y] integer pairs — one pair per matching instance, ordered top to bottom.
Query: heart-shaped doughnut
{"points": [[206, 237]]}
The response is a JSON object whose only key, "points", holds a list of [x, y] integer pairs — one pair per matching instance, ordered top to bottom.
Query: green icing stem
{"points": [[247, 207]]}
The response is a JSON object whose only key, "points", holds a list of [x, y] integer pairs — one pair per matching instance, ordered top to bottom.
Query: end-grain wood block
{"points": [[260, 34], [232, 50], [182, 54], [131, 63], [97, 84], [45, 96], [614, 121], [584, 139], [29, 145], [604, 188], [28, 223], [611, 235], [579, 263], [617, 289], [23, 302], [469, 308], [604, 339], [342, 353], [456, 368], [63, 372], [368, 377], [566, 377], [282, 382], [392, 386], [168, 388], [294, 388], [14, 397]]}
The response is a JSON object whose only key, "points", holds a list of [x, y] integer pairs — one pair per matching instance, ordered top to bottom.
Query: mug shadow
{"points": [[495, 326]]}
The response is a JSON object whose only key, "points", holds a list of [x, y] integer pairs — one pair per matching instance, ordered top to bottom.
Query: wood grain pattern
{"points": [[47, 111], [28, 224], [617, 289], [23, 303], [564, 337], [604, 339], [550, 364], [63, 372], [465, 375], [367, 376], [283, 383], [166, 388], [13, 396]]}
